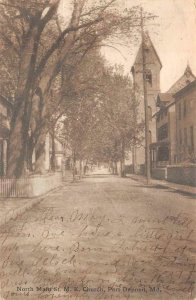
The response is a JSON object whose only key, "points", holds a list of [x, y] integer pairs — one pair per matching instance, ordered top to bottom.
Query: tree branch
{"points": [[59, 40]]}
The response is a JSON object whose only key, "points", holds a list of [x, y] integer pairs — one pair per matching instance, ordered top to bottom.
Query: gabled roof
{"points": [[148, 45], [183, 81], [186, 88], [165, 97], [164, 100]]}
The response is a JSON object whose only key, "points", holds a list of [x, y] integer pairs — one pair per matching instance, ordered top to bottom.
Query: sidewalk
{"points": [[167, 184], [11, 208]]}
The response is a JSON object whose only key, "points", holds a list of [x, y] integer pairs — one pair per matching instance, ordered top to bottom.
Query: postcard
{"points": [[97, 149]]}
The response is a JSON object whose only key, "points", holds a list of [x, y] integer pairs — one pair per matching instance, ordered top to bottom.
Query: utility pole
{"points": [[147, 142], [134, 161]]}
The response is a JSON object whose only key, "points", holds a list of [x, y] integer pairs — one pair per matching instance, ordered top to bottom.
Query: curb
{"points": [[166, 185], [178, 189], [15, 212]]}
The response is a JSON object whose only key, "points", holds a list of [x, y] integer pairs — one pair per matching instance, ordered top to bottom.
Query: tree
{"points": [[25, 26], [80, 105], [99, 124]]}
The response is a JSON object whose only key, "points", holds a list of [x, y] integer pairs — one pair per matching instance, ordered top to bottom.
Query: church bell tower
{"points": [[153, 69]]}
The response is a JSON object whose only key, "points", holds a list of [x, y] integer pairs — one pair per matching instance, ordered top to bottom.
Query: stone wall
{"points": [[159, 173], [182, 174]]}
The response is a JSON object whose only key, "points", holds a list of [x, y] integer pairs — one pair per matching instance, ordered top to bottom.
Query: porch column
{"points": [[155, 157]]}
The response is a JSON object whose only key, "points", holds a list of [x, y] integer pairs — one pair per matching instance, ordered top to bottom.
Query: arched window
{"points": [[149, 76], [149, 113]]}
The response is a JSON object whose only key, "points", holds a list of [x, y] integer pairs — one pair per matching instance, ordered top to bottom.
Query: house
{"points": [[153, 68], [6, 107], [185, 107], [5, 116], [56, 148], [165, 151]]}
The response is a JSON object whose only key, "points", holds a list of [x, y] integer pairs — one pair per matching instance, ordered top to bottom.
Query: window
{"points": [[149, 76], [191, 104], [185, 108], [179, 111], [149, 113], [163, 132], [185, 136], [180, 137], [192, 138], [163, 153]]}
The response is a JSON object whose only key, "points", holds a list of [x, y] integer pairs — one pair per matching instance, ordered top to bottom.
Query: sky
{"points": [[174, 38]]}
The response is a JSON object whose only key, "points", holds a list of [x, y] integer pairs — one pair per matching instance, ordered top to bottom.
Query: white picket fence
{"points": [[30, 186]]}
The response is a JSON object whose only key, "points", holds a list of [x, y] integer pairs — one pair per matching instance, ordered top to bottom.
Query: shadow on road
{"points": [[99, 175], [157, 186], [167, 189], [185, 194]]}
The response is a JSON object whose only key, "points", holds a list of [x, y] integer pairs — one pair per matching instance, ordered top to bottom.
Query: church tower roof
{"points": [[151, 55]]}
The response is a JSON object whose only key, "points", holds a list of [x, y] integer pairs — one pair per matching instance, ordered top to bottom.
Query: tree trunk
{"points": [[21, 111], [21, 118], [17, 143], [30, 150], [40, 154], [53, 154], [122, 161], [80, 162], [115, 168], [122, 168], [74, 170]]}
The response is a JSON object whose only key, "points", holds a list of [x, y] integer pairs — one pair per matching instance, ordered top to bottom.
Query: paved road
{"points": [[101, 238]]}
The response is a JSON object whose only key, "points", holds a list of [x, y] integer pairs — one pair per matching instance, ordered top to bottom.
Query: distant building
{"points": [[153, 66]]}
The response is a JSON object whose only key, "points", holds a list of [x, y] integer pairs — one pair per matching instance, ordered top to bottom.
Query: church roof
{"points": [[148, 46], [183, 81]]}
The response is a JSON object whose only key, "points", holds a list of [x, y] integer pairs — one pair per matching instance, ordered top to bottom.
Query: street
{"points": [[103, 237]]}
